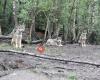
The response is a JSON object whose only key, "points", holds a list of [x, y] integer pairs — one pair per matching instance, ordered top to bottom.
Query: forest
{"points": [[51, 18], [49, 39]]}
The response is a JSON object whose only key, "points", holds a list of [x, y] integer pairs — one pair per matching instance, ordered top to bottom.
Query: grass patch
{"points": [[6, 46]]}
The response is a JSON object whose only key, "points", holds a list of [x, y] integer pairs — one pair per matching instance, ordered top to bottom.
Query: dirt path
{"points": [[74, 52], [35, 68]]}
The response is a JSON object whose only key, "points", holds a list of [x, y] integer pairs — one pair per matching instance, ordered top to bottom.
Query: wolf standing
{"points": [[17, 36], [82, 39]]}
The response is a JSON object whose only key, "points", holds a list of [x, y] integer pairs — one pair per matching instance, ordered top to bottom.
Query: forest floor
{"points": [[69, 62]]}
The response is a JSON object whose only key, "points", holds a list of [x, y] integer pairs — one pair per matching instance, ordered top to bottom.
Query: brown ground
{"points": [[31, 67]]}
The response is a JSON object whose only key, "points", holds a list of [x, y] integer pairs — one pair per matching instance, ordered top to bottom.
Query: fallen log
{"points": [[8, 39], [37, 41], [51, 58]]}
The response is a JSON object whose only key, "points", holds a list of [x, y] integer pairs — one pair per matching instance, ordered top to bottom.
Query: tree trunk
{"points": [[4, 6], [95, 12], [14, 13], [93, 15], [14, 17], [16, 22], [70, 24], [74, 24], [47, 27], [32, 28], [0, 30], [57, 32]]}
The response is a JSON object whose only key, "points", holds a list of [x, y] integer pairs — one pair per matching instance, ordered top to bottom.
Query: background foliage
{"points": [[74, 16]]}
